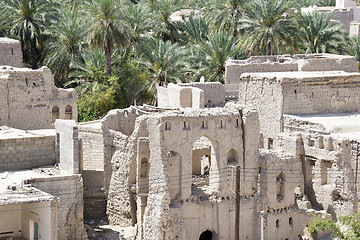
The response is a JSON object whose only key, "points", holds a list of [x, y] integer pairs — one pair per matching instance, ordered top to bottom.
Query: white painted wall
{"points": [[10, 220]]}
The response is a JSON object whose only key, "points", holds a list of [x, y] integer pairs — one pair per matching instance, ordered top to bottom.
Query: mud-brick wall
{"points": [[10, 53], [92, 143], [30, 152], [69, 190]]}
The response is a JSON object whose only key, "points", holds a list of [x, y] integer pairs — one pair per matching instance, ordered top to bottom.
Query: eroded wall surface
{"points": [[10, 53], [30, 100]]}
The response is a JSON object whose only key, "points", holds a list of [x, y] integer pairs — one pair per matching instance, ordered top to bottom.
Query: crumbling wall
{"points": [[10, 53], [288, 63], [312, 97], [30, 100], [268, 105], [26, 152], [119, 159], [328, 166], [69, 190]]}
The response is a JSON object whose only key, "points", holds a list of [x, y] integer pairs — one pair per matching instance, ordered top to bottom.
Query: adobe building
{"points": [[29, 99]]}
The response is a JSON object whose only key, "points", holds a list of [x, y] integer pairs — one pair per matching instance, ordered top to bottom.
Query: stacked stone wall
{"points": [[92, 148], [22, 153]]}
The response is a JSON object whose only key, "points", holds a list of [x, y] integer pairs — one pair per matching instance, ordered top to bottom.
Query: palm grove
{"points": [[115, 52]]}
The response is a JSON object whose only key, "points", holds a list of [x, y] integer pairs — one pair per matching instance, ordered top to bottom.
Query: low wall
{"points": [[27, 152]]}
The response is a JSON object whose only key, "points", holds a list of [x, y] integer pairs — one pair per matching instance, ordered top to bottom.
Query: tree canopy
{"points": [[116, 52]]}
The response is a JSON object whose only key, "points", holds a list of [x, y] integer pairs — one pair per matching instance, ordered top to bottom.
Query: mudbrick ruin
{"points": [[290, 123]]}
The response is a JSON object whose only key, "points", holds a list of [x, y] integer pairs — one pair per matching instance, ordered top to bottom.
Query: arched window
{"points": [[68, 112], [55, 113], [232, 157], [144, 167], [280, 189]]}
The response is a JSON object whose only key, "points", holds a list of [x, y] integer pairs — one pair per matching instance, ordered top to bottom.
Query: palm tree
{"points": [[224, 15], [28, 20], [138, 20], [195, 28], [106, 29], [166, 29], [269, 29], [320, 34], [69, 36], [355, 47], [218, 49], [164, 60]]}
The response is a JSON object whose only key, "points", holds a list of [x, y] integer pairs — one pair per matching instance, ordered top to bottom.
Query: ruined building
{"points": [[29, 99], [168, 171], [38, 199]]}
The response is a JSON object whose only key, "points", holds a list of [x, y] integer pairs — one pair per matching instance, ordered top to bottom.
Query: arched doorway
{"points": [[204, 166], [206, 235]]}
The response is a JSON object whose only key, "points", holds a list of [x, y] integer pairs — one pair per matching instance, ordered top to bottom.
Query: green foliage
{"points": [[269, 29], [319, 34], [116, 52], [346, 228]]}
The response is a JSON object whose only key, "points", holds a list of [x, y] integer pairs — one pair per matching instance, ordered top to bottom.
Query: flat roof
{"points": [[284, 77], [345, 125], [14, 133]]}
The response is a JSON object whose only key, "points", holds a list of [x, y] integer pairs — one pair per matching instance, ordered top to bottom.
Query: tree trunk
{"points": [[32, 56], [108, 56]]}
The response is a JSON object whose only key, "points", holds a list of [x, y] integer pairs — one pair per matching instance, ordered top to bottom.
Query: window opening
{"points": [[68, 112], [55, 113], [204, 124], [167, 125], [270, 143], [232, 157], [203, 166], [144, 167], [325, 169], [280, 189], [277, 223]]}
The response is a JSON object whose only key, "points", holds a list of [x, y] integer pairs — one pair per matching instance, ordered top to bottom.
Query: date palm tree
{"points": [[224, 15], [28, 20], [269, 28], [106, 30], [320, 34], [69, 36], [164, 60]]}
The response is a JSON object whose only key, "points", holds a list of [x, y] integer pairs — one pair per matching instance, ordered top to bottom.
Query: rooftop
{"points": [[324, 77], [345, 125], [13, 133]]}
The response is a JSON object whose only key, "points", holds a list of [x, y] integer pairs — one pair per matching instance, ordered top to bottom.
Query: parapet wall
{"points": [[10, 53], [288, 63], [214, 92], [180, 96], [28, 151]]}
